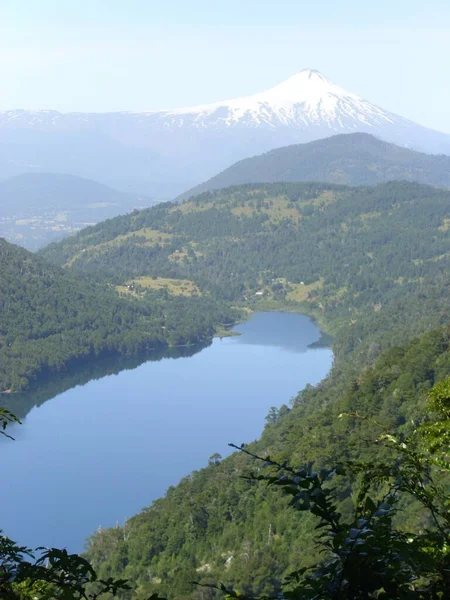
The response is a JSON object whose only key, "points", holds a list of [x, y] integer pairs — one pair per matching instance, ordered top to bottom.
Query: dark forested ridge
{"points": [[352, 159], [51, 321]]}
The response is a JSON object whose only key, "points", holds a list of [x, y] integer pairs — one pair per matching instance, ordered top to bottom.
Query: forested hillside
{"points": [[352, 159], [360, 259], [51, 320]]}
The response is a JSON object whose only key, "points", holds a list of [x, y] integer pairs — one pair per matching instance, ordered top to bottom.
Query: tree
{"points": [[272, 416], [215, 459]]}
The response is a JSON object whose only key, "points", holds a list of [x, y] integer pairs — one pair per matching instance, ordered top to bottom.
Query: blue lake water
{"points": [[100, 452]]}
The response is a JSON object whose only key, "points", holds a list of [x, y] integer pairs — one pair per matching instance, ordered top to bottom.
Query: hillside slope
{"points": [[352, 159], [51, 321]]}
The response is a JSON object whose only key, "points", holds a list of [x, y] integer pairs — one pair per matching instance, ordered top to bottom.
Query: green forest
{"points": [[224, 300], [53, 322]]}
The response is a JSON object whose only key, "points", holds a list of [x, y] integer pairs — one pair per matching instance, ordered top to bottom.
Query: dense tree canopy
{"points": [[51, 320]]}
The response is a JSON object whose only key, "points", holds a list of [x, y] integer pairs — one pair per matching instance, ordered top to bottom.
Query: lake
{"points": [[98, 453]]}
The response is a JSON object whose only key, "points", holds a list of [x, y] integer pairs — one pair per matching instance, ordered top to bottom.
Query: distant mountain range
{"points": [[168, 151], [352, 159], [37, 208]]}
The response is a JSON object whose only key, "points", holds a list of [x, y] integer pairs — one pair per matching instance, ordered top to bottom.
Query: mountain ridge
{"points": [[308, 87], [350, 159], [316, 246]]}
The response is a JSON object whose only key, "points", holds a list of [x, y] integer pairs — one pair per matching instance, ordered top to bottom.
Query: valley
{"points": [[350, 257], [52, 321], [224, 324], [217, 517]]}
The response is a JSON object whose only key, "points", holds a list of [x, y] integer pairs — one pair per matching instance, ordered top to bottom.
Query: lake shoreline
{"points": [[74, 369]]}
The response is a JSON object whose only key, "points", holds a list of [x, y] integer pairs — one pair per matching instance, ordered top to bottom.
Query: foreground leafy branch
{"points": [[6, 418], [54, 574]]}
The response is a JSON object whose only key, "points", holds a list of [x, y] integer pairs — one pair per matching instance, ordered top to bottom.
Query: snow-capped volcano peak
{"points": [[306, 86], [307, 98]]}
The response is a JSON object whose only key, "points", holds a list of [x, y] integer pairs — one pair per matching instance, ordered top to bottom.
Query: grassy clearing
{"points": [[324, 199], [192, 207], [277, 209], [370, 215], [445, 225], [153, 237], [185, 253], [179, 255], [419, 261], [175, 287], [299, 292], [223, 333]]}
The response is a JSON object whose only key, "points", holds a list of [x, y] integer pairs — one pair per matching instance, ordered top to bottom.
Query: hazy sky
{"points": [[103, 55]]}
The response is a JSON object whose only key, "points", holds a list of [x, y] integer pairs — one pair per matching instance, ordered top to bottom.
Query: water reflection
{"points": [[288, 331], [48, 387]]}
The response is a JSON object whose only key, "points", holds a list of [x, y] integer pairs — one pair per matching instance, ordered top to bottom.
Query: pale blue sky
{"points": [[103, 55]]}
